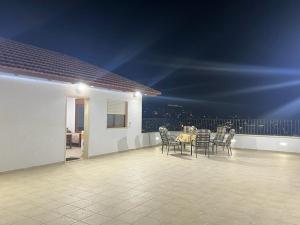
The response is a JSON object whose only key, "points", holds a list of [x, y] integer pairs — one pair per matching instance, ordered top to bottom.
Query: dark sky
{"points": [[218, 57]]}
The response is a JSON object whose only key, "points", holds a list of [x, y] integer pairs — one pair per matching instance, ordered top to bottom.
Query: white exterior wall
{"points": [[33, 121], [106, 140], [269, 143]]}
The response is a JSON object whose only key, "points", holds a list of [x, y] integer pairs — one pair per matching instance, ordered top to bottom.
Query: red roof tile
{"points": [[33, 61]]}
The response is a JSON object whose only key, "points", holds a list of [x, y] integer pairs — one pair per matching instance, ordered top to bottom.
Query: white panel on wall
{"points": [[70, 120]]}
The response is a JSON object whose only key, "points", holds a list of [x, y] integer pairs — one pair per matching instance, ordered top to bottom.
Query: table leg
{"points": [[181, 147]]}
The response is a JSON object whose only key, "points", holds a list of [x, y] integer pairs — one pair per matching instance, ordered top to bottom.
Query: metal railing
{"points": [[242, 126]]}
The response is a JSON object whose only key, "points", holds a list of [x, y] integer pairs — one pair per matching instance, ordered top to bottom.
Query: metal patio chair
{"points": [[219, 138], [167, 140], [202, 141], [228, 142]]}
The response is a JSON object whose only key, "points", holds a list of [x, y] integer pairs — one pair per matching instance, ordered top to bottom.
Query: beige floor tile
{"points": [[82, 203], [97, 207], [66, 209], [113, 211], [80, 214], [47, 217], [130, 217], [12, 219], [96, 219], [27, 221], [62, 221], [146, 221], [116, 222], [79, 223]]}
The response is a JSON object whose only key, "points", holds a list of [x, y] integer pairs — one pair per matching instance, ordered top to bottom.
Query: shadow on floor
{"points": [[183, 156]]}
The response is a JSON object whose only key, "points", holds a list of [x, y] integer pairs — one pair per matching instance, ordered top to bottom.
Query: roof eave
{"points": [[54, 77]]}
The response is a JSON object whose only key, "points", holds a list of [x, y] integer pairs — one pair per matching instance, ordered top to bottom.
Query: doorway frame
{"points": [[85, 149]]}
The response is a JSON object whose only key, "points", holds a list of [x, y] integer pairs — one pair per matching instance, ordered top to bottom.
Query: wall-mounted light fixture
{"points": [[81, 87], [137, 94]]}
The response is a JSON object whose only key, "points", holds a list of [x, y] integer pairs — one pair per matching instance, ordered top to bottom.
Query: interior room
{"points": [[74, 128]]}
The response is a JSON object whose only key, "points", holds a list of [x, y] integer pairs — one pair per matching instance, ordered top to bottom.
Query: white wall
{"points": [[33, 120], [32, 123], [70, 123], [106, 140], [264, 142]]}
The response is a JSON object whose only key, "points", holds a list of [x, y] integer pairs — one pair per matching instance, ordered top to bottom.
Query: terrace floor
{"points": [[145, 187]]}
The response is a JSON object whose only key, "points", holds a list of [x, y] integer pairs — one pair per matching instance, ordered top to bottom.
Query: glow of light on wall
{"points": [[10, 76], [78, 86], [81, 87], [157, 138], [283, 143]]}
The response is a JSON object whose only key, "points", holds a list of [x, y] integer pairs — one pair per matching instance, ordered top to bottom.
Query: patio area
{"points": [[145, 187]]}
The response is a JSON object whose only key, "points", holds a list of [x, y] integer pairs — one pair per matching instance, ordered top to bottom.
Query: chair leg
{"points": [[174, 148], [181, 148], [162, 149], [168, 149], [208, 150], [230, 150]]}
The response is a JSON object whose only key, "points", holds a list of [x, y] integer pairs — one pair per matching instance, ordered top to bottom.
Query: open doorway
{"points": [[75, 128]]}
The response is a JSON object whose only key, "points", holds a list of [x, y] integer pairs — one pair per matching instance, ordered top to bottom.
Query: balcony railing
{"points": [[242, 126]]}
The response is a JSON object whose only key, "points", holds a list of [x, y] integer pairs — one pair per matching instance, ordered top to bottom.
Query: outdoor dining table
{"points": [[185, 138]]}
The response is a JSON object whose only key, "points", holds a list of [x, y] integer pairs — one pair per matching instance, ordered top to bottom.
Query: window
{"points": [[116, 114]]}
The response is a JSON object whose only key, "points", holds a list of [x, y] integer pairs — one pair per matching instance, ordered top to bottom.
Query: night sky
{"points": [[219, 58]]}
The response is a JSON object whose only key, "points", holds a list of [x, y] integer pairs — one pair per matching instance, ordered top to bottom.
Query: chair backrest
{"points": [[186, 129], [193, 130], [163, 131], [220, 135], [202, 137], [230, 137]]}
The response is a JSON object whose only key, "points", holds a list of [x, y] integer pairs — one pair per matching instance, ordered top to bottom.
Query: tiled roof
{"points": [[37, 62]]}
